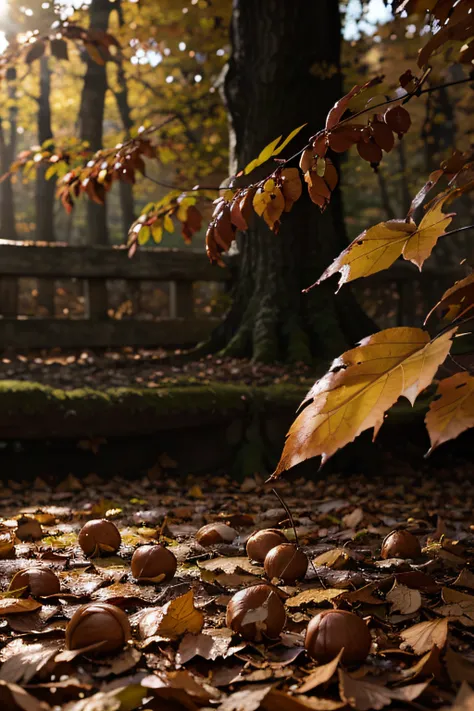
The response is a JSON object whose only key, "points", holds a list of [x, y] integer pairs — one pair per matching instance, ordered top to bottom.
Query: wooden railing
{"points": [[94, 266], [399, 296]]}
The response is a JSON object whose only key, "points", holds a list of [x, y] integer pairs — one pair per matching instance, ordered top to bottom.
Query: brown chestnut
{"points": [[213, 533], [99, 537], [263, 541], [400, 544], [286, 562], [153, 563], [38, 582], [256, 612], [98, 622], [332, 630]]}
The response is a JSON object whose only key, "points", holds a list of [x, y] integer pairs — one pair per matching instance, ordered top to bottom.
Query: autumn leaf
{"points": [[274, 148], [269, 203], [433, 225], [378, 247], [456, 302], [360, 387], [453, 410], [313, 596], [404, 600], [14, 606], [173, 620], [426, 635], [459, 668], [320, 675], [366, 695], [14, 698]]}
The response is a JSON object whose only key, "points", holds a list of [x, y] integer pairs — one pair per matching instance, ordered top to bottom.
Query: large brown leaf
{"points": [[457, 301], [360, 387], [453, 411]]}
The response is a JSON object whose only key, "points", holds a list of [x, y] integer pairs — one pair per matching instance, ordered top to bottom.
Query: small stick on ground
{"points": [[290, 517]]}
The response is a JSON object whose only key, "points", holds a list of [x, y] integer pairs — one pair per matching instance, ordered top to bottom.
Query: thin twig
{"points": [[289, 514]]}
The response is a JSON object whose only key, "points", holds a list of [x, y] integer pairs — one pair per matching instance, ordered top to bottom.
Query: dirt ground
{"points": [[141, 368], [420, 612]]}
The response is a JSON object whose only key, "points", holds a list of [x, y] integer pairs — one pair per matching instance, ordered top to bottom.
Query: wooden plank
{"points": [[55, 260], [8, 296], [181, 299], [67, 333]]}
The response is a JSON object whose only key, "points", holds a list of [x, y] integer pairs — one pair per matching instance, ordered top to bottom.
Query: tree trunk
{"points": [[285, 71], [91, 115], [7, 155], [45, 189], [127, 202]]}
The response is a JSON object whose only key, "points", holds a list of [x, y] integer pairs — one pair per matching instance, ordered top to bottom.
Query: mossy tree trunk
{"points": [[285, 71]]}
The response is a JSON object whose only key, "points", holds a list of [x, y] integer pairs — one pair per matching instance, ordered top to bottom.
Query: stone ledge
{"points": [[30, 410]]}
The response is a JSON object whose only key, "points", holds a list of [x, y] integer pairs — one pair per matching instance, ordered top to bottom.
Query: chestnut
{"points": [[213, 533], [99, 537], [263, 541], [400, 544], [286, 562], [153, 563], [38, 582], [256, 612], [98, 622], [331, 630]]}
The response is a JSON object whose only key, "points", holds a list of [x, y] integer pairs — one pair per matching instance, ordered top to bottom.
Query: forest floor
{"points": [[142, 368], [182, 656]]}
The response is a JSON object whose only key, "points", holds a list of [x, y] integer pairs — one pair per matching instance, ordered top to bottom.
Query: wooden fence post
{"points": [[9, 296], [95, 299], [181, 299]]}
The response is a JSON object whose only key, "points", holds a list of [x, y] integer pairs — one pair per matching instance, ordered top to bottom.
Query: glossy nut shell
{"points": [[99, 537], [261, 542], [286, 562], [153, 563], [256, 613], [98, 622], [332, 630]]}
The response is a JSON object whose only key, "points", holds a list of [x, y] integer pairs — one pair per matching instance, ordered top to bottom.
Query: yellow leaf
{"points": [[288, 139], [264, 155], [260, 201], [168, 224], [157, 231], [144, 235], [420, 245], [377, 248], [374, 250], [457, 301], [360, 387], [453, 411], [313, 596], [173, 620], [425, 635]]}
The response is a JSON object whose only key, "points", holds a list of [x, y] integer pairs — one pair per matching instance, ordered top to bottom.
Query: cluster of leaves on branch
{"points": [[100, 45], [158, 218]]}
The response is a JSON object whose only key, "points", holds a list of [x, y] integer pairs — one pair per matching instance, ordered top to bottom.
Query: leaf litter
{"points": [[182, 656]]}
